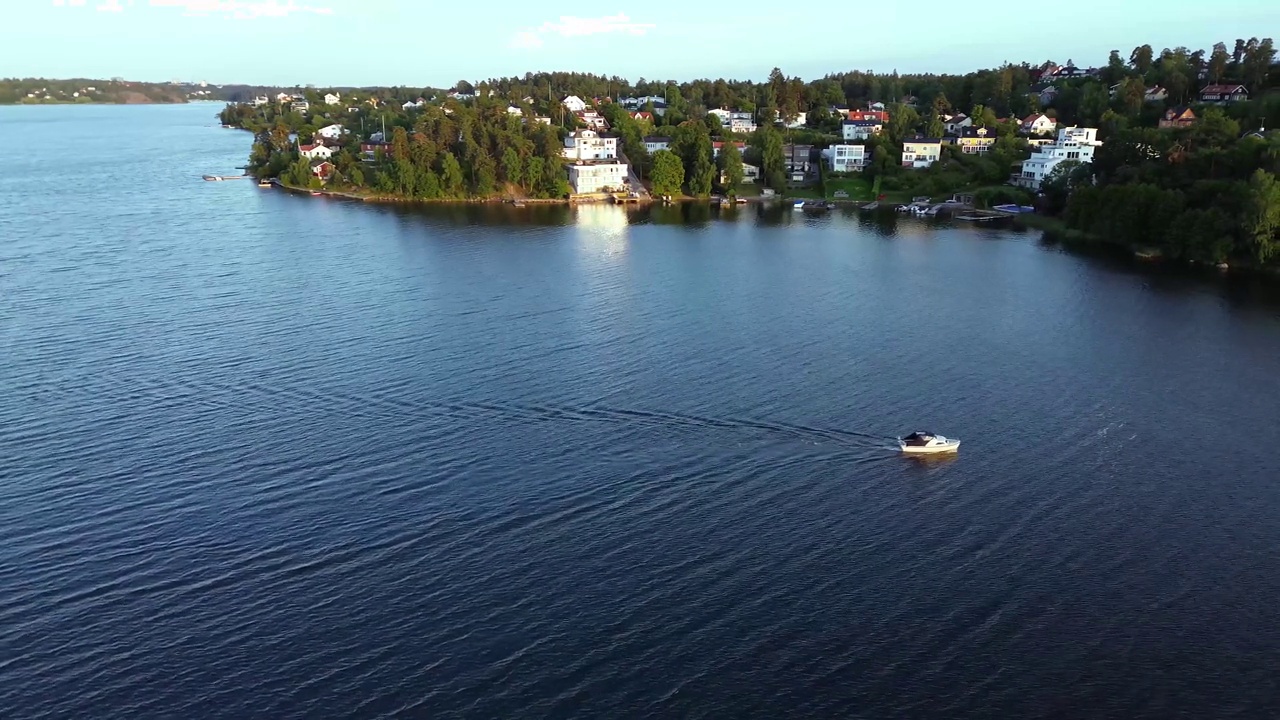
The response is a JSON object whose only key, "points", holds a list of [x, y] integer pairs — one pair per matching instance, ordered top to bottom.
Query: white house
{"points": [[1155, 94], [283, 97], [333, 99], [261, 100], [413, 104], [574, 104], [300, 105], [513, 110], [722, 114], [542, 119], [800, 120], [956, 123], [1038, 124], [741, 125], [860, 129], [331, 132], [654, 143], [1073, 143], [718, 144], [590, 145], [315, 152], [921, 152], [846, 158], [750, 174], [597, 177]]}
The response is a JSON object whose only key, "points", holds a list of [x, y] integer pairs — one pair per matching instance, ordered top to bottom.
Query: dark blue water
{"points": [[273, 456]]}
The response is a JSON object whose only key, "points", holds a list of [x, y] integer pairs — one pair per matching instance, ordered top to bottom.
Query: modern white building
{"points": [[574, 104], [300, 106], [593, 120], [744, 126], [860, 129], [1073, 143], [590, 145], [918, 153], [846, 158], [597, 177]]}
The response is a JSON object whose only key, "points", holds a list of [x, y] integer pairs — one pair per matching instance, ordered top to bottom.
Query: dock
{"points": [[220, 178]]}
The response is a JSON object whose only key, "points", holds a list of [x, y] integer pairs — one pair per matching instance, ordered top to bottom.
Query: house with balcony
{"points": [[1223, 94], [300, 106], [1179, 117], [593, 120], [1037, 124], [860, 129], [976, 141], [1075, 144], [590, 145], [919, 153], [846, 158], [798, 162], [750, 174], [596, 177]]}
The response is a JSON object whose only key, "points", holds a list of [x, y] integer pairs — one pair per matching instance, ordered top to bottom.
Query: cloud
{"points": [[570, 26]]}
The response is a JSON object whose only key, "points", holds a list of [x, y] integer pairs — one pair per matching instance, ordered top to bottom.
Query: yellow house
{"points": [[976, 141]]}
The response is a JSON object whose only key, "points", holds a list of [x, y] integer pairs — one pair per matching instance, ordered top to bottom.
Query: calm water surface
{"points": [[286, 457]]}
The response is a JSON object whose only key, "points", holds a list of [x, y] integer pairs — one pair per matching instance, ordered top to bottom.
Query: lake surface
{"points": [[264, 455]]}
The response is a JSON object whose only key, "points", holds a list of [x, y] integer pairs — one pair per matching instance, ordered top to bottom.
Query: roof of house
{"points": [[1222, 89], [1178, 112], [1032, 118], [863, 123], [978, 132], [656, 139], [922, 141], [720, 143], [309, 148], [318, 163]]}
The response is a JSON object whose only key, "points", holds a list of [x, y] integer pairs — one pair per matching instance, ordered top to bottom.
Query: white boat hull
{"points": [[945, 447]]}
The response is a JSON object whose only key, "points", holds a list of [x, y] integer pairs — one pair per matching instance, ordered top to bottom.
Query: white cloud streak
{"points": [[570, 27]]}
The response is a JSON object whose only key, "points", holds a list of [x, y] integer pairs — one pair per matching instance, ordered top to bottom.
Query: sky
{"points": [[429, 43]]}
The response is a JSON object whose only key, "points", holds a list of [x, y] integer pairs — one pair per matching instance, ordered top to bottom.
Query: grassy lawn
{"points": [[857, 188]]}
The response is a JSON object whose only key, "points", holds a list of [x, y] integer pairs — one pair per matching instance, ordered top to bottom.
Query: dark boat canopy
{"points": [[918, 438]]}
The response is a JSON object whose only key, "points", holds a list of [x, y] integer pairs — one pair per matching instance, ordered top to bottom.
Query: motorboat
{"points": [[798, 205], [926, 442]]}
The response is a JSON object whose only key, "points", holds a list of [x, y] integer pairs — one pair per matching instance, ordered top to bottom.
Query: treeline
{"points": [[37, 91], [452, 152], [1203, 193]]}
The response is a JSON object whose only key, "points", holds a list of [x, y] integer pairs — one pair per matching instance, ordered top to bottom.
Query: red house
{"points": [[879, 115]]}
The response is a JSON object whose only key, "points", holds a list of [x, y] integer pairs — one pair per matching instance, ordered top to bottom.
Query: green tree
{"points": [[1142, 59], [1218, 60], [766, 148], [730, 162], [511, 166], [667, 174], [704, 174], [451, 181], [1261, 223]]}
